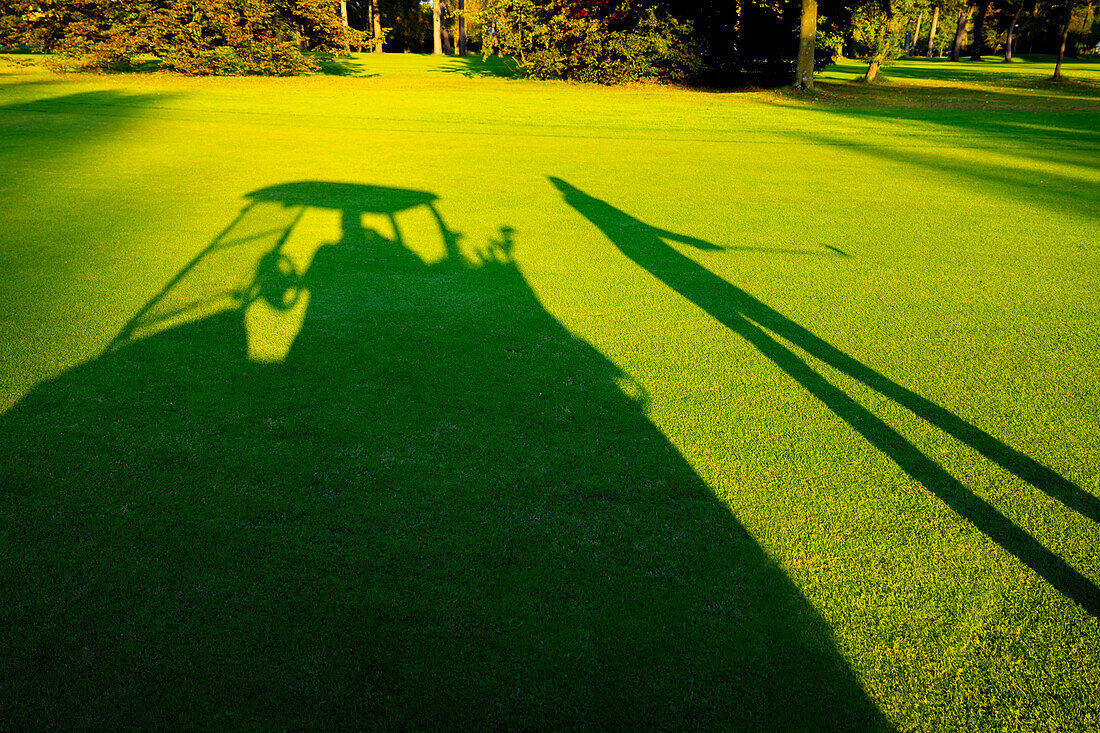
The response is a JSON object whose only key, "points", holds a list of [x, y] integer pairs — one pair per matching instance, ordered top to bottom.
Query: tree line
{"points": [[885, 29], [726, 42]]}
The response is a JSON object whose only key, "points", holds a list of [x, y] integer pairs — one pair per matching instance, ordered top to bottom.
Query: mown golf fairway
{"points": [[691, 409]]}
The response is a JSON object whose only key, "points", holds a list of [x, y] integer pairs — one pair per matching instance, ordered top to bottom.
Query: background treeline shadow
{"points": [[439, 508]]}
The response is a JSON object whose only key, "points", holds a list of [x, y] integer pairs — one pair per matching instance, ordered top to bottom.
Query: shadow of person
{"points": [[756, 322], [440, 508]]}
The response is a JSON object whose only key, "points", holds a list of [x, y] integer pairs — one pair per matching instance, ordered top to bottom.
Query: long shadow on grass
{"points": [[1024, 71], [91, 106], [1003, 119], [34, 131], [1055, 146], [1058, 191], [760, 325], [376, 484]]}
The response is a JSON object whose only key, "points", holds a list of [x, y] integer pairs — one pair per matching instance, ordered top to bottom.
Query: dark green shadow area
{"points": [[333, 65], [144, 66], [477, 67], [1021, 72], [85, 104], [1022, 118], [1035, 129], [36, 130], [1059, 192], [763, 327], [440, 509]]}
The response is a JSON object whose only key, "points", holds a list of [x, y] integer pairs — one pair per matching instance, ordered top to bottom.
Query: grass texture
{"points": [[411, 395]]}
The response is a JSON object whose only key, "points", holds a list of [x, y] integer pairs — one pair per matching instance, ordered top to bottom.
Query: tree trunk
{"points": [[344, 18], [377, 18], [445, 19], [370, 23], [461, 27], [979, 31], [932, 32], [1011, 32], [916, 34], [960, 34], [807, 37], [437, 38], [1062, 48], [878, 57], [872, 69]]}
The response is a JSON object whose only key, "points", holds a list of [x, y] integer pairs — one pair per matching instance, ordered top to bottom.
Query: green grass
{"points": [[693, 409]]}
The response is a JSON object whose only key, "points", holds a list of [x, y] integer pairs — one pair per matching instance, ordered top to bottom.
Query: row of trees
{"points": [[884, 29], [189, 36], [213, 36], [708, 41], [712, 41], [767, 41]]}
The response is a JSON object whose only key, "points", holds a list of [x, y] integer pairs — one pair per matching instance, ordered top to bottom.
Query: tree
{"points": [[344, 18], [1068, 18], [400, 24], [437, 25], [512, 25], [878, 25], [1077, 26], [376, 27], [445, 27], [461, 27], [932, 30], [979, 31], [960, 32], [1012, 32], [916, 34], [807, 35], [189, 36], [608, 42], [717, 42]]}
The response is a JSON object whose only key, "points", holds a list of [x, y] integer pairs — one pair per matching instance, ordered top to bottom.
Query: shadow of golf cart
{"points": [[259, 264]]}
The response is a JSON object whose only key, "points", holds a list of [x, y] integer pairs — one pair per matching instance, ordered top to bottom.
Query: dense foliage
{"points": [[890, 28], [189, 36], [606, 41], [750, 41], [600, 42]]}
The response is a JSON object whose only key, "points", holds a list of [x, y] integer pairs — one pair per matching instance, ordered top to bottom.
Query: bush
{"points": [[189, 36], [560, 40], [276, 59]]}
